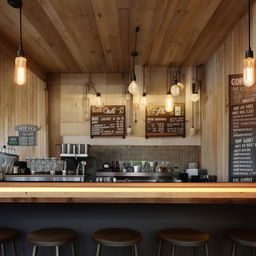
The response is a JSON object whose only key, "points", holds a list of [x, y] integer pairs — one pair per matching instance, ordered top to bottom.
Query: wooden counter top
{"points": [[191, 193]]}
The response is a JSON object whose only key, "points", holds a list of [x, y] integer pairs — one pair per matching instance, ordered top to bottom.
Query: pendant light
{"points": [[249, 61], [20, 71], [90, 85], [133, 86], [177, 86], [195, 88], [144, 100], [169, 102]]}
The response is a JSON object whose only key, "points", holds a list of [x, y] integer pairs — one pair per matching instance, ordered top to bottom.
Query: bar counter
{"points": [[173, 193]]}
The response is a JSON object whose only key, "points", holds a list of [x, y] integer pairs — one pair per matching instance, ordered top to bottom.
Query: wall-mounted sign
{"points": [[108, 120], [160, 123], [242, 130], [27, 136], [13, 140]]}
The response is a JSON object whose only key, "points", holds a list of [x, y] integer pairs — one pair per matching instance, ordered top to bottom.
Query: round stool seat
{"points": [[8, 234], [51, 236], [183, 236], [117, 237], [246, 237]]}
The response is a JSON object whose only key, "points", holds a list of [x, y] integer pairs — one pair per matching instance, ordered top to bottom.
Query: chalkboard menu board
{"points": [[108, 120], [160, 123], [242, 125]]}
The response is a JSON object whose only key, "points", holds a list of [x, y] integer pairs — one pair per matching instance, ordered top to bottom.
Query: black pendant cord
{"points": [[249, 22], [21, 42], [134, 53], [143, 82]]}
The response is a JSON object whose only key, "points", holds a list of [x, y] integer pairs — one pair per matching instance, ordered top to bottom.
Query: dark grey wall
{"points": [[87, 218]]}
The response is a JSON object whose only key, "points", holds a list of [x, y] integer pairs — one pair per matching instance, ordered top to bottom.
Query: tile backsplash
{"points": [[178, 156]]}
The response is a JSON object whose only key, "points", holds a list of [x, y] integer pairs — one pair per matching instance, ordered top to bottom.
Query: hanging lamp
{"points": [[249, 61], [20, 71], [133, 86], [195, 88], [144, 100], [169, 103]]}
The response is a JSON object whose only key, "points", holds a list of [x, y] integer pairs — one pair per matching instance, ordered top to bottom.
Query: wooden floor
{"points": [[183, 193]]}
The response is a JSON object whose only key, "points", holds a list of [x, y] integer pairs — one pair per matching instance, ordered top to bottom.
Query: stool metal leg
{"points": [[3, 249], [73, 249], [195, 249], [159, 250], [173, 250], [57, 251], [131, 251], [136, 251], [206, 251], [252, 251], [98, 252], [14, 253], [34, 253], [233, 253]]}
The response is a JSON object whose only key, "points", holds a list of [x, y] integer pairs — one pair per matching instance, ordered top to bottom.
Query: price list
{"points": [[242, 119], [108, 121], [160, 123]]}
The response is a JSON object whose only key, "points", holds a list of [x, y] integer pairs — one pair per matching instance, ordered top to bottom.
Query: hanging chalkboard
{"points": [[108, 120], [160, 123], [242, 130]]}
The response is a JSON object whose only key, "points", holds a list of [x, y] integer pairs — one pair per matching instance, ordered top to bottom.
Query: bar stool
{"points": [[8, 235], [52, 237], [117, 237], [182, 237], [244, 237]]}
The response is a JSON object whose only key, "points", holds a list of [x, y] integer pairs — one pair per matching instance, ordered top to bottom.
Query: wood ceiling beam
{"points": [[226, 16], [7, 48]]}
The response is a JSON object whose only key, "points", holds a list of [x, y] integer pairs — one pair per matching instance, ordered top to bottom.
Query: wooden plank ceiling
{"points": [[98, 35]]}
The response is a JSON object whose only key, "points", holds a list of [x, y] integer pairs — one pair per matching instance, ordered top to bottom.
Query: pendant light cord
{"points": [[249, 22], [21, 42], [134, 53]]}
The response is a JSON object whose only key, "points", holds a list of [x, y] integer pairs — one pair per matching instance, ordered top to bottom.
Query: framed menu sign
{"points": [[108, 120], [160, 123], [242, 130]]}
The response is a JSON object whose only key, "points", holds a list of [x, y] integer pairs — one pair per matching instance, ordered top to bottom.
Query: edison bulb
{"points": [[249, 71], [20, 72], [181, 85], [133, 87], [175, 90], [194, 97], [144, 100], [99, 102], [169, 104]]}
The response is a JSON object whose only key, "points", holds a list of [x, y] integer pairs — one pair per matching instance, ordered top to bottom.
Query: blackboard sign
{"points": [[108, 120], [160, 123], [242, 126], [13, 140]]}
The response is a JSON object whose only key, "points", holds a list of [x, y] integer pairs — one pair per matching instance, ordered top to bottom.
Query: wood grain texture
{"points": [[98, 36], [228, 59], [25, 105], [189, 193]]}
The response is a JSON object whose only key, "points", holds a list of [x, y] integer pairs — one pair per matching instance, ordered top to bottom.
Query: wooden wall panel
{"points": [[227, 60], [22, 105]]}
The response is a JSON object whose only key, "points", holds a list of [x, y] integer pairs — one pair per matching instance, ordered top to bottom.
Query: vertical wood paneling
{"points": [[227, 60], [22, 105]]}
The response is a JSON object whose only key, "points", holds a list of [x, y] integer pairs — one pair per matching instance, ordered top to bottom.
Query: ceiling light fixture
{"points": [[249, 61], [20, 71], [90, 85], [133, 86], [144, 100], [169, 102]]}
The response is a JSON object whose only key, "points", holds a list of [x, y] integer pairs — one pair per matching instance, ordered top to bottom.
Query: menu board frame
{"points": [[172, 114], [108, 135], [241, 154]]}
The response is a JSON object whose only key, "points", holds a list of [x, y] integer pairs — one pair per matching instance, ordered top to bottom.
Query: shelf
{"points": [[74, 155], [132, 174]]}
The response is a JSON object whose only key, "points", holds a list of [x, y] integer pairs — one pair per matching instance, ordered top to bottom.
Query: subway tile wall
{"points": [[178, 156]]}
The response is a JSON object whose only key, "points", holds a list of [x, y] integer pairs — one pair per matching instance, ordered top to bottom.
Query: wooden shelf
{"points": [[186, 193]]}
